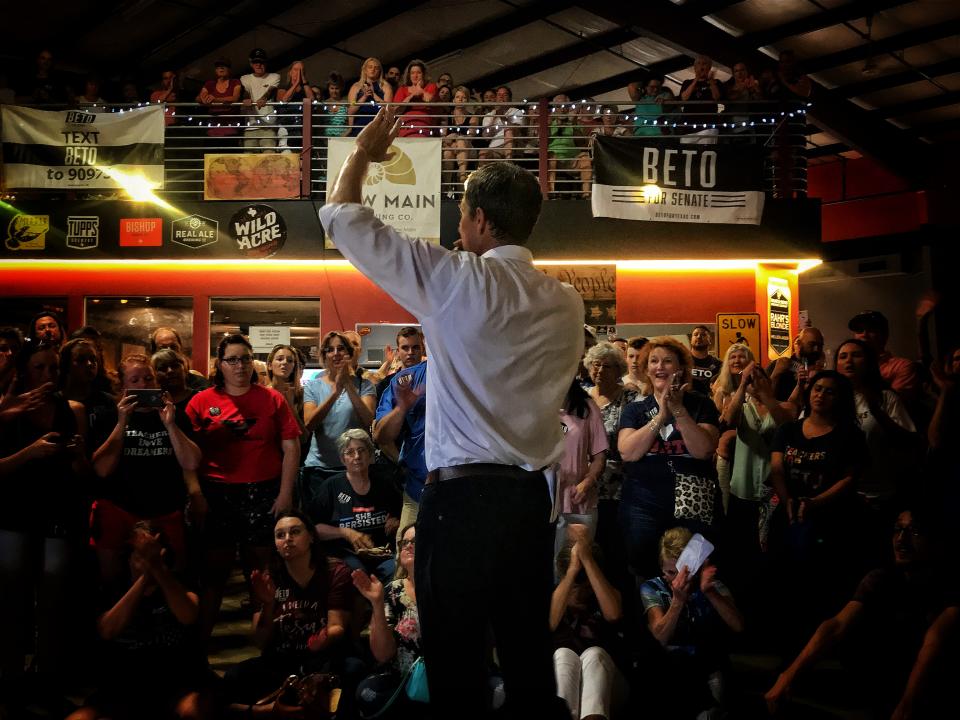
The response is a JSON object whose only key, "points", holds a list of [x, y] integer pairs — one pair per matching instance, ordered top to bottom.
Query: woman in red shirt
{"points": [[416, 93]]}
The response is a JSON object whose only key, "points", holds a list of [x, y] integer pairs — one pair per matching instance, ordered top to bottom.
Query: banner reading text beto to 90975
{"points": [[75, 149], [670, 181]]}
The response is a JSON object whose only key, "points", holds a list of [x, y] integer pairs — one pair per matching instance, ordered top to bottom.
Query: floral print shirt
{"points": [[611, 479], [402, 617]]}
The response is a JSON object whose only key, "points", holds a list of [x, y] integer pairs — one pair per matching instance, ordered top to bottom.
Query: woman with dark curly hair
{"points": [[667, 440], [251, 451]]}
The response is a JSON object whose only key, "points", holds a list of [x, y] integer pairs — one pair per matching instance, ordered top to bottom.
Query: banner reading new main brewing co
{"points": [[78, 149], [665, 180], [403, 191]]}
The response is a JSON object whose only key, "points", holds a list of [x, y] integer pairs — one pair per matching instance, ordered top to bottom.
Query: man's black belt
{"points": [[455, 472]]}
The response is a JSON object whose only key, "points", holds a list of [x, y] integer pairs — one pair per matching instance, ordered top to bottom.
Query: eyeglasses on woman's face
{"points": [[235, 360], [408, 542]]}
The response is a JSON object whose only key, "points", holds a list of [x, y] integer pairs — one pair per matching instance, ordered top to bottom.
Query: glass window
{"points": [[18, 311], [267, 322], [128, 323]]}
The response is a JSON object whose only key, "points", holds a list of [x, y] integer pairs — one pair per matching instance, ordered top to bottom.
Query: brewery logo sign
{"points": [[194, 231], [259, 231], [83, 232]]}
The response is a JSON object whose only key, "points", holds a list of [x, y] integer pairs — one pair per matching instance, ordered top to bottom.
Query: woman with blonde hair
{"points": [[366, 95], [461, 124], [667, 440]]}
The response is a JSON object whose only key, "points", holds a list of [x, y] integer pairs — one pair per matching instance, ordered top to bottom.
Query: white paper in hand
{"points": [[695, 554]]}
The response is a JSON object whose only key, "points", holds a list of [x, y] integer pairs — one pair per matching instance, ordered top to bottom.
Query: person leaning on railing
{"points": [[296, 91], [416, 92], [367, 93], [219, 94], [649, 101]]}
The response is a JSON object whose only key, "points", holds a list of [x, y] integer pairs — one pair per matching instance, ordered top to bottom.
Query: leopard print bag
{"points": [[693, 496]]}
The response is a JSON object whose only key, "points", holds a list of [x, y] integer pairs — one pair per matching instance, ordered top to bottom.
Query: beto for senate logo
{"points": [[194, 231], [259, 231], [27, 232], [83, 232]]}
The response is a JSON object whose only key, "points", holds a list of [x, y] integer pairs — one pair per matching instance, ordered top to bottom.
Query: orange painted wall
{"points": [[347, 298]]}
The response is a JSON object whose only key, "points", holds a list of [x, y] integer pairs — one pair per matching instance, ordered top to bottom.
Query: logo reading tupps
{"points": [[28, 232], [83, 232]]}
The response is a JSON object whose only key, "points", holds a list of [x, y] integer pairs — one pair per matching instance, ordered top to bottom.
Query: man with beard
{"points": [[807, 357], [705, 366]]}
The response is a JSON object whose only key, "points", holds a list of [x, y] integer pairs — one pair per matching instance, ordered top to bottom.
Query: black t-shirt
{"points": [[701, 93], [704, 372], [786, 381], [814, 465], [654, 468], [148, 480], [338, 504], [301, 612]]}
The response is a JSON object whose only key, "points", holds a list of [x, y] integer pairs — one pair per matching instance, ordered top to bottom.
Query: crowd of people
{"points": [[260, 110], [129, 498]]}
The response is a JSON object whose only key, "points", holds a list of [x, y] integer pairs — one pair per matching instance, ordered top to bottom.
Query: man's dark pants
{"points": [[484, 559]]}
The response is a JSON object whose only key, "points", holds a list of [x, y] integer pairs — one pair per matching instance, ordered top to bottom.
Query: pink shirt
{"points": [[900, 373], [582, 439]]}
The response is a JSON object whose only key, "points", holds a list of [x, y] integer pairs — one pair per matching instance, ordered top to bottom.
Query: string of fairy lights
{"points": [[594, 108]]}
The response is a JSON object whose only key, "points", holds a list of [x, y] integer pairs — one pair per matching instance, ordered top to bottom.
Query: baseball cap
{"points": [[258, 54], [222, 61], [868, 319]]}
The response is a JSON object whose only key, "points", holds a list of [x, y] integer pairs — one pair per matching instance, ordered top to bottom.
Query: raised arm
{"points": [[372, 145]]}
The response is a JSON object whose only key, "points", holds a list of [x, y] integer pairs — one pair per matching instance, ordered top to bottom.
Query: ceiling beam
{"points": [[709, 7], [217, 10], [381, 13], [819, 20], [230, 28], [487, 30], [890, 44], [534, 65], [621, 80], [886, 82], [912, 106], [849, 124], [936, 128], [825, 150]]}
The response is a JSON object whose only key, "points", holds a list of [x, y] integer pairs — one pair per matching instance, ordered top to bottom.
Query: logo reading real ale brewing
{"points": [[259, 231]]}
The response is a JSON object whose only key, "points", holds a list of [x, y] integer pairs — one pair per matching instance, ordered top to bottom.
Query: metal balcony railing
{"points": [[525, 133]]}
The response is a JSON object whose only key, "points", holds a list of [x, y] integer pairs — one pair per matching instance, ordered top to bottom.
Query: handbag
{"points": [[693, 496], [413, 682], [318, 694]]}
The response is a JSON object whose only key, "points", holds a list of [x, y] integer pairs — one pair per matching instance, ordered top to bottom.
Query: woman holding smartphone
{"points": [[366, 95], [667, 440], [143, 454]]}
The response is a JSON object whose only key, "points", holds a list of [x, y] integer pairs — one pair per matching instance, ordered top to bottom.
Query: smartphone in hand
{"points": [[147, 397]]}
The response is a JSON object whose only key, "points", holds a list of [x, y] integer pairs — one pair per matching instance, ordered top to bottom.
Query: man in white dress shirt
{"points": [[512, 338]]}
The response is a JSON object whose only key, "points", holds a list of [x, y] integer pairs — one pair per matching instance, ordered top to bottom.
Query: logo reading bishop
{"points": [[27, 232], [83, 232]]}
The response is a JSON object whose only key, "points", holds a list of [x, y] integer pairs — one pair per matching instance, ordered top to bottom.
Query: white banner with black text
{"points": [[76, 149], [664, 180], [403, 191]]}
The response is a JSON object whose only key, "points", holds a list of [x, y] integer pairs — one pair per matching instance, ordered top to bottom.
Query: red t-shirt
{"points": [[416, 119], [240, 435]]}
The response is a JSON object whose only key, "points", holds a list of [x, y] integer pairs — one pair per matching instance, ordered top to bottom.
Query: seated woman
{"points": [[416, 93], [458, 143], [142, 453], [359, 510], [584, 612], [690, 616], [301, 623], [394, 631], [153, 666]]}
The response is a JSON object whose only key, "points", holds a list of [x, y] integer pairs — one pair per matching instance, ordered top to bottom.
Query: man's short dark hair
{"points": [[510, 198], [703, 328], [409, 331]]}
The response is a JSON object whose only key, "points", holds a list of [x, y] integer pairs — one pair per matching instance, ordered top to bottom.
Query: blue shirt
{"points": [[411, 439], [323, 444]]}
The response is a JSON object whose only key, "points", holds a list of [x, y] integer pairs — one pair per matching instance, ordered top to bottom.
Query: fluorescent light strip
{"points": [[798, 264]]}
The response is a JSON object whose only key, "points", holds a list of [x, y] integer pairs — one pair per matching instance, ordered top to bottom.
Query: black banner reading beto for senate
{"points": [[665, 180]]}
